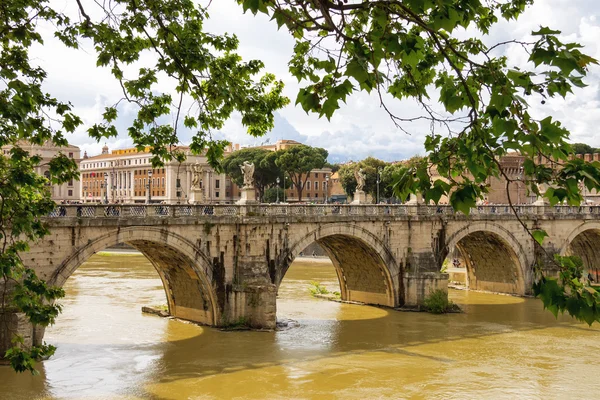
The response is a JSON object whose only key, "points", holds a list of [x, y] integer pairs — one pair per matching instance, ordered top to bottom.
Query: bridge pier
{"points": [[417, 286], [251, 305], [16, 323]]}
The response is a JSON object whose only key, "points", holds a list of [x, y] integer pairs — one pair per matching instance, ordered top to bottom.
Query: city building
{"points": [[127, 176], [316, 189], [336, 191], [66, 192]]}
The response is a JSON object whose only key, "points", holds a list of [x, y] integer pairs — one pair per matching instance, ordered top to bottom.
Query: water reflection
{"points": [[502, 347]]}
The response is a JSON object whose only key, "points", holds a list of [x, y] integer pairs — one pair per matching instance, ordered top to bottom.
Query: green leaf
{"points": [[545, 31], [464, 198], [539, 235]]}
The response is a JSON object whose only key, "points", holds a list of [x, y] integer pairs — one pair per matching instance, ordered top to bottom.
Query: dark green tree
{"points": [[582, 148], [298, 161], [334, 167], [371, 167], [266, 170], [389, 176], [347, 179], [273, 194]]}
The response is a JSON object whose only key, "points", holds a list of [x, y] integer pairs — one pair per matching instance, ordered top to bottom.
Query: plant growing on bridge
{"points": [[437, 302]]}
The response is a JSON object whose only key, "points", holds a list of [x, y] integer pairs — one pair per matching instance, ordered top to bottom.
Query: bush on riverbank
{"points": [[317, 288], [437, 302]]}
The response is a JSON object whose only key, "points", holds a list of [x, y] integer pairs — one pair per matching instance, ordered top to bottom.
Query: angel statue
{"points": [[248, 173], [196, 176], [360, 179]]}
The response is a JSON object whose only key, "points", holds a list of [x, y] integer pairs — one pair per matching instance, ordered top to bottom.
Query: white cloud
{"points": [[359, 128]]}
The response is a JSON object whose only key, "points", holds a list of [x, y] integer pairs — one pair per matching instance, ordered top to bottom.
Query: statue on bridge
{"points": [[197, 171], [248, 173], [360, 179], [247, 193], [196, 195], [359, 195]]}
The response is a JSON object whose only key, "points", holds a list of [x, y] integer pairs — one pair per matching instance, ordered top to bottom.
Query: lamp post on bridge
{"points": [[277, 180], [378, 180], [519, 180], [149, 186], [284, 186], [105, 188], [327, 189], [84, 193]]}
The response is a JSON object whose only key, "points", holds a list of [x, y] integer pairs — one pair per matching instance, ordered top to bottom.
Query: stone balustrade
{"points": [[164, 210]]}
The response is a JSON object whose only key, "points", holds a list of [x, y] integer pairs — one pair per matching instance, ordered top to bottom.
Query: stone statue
{"points": [[248, 172], [196, 176], [360, 179]]}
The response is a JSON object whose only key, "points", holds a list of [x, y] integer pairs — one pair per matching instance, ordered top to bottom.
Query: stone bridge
{"points": [[223, 264]]}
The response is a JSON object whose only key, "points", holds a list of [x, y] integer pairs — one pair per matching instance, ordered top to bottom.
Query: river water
{"points": [[502, 347]]}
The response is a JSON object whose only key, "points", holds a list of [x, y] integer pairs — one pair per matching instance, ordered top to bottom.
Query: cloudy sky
{"points": [[360, 128]]}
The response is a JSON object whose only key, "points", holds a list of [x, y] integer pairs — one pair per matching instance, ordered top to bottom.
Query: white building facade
{"points": [[127, 176]]}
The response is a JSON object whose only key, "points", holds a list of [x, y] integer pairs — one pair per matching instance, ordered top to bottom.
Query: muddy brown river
{"points": [[502, 347]]}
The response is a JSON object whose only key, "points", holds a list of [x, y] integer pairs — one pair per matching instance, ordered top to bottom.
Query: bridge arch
{"points": [[584, 241], [495, 260], [366, 269], [186, 273]]}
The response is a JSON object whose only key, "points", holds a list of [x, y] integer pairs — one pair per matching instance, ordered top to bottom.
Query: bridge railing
{"points": [[219, 210]]}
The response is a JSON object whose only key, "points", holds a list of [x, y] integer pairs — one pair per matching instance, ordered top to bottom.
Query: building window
{"points": [[316, 174], [71, 182], [217, 184], [308, 185], [316, 185], [70, 193], [217, 193], [308, 195]]}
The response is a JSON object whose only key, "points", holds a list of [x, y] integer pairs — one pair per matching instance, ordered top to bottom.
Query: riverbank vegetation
{"points": [[438, 303]]}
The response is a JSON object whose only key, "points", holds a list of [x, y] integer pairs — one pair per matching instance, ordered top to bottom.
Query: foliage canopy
{"points": [[266, 171]]}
